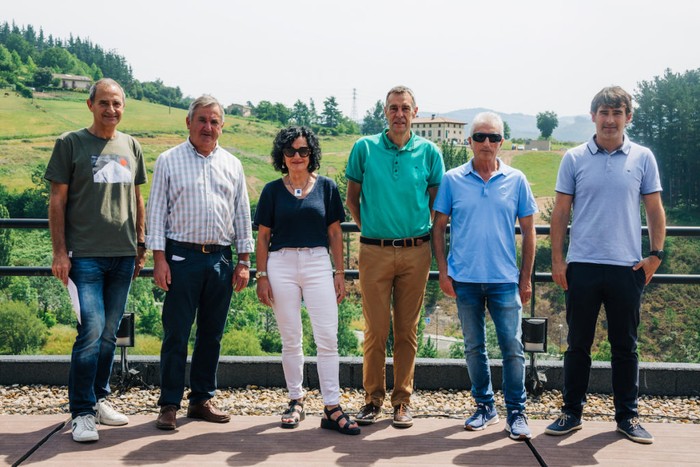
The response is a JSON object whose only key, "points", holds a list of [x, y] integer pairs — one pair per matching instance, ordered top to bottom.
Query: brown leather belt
{"points": [[396, 242], [210, 248]]}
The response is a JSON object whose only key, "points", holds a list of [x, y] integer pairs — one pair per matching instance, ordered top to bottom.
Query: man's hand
{"points": [[140, 261], [650, 265], [61, 267], [161, 270], [559, 274], [241, 276], [446, 286], [525, 288]]}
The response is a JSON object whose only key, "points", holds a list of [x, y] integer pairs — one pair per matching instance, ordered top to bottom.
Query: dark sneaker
{"points": [[368, 414], [484, 416], [403, 418], [565, 423], [516, 425], [634, 431]]}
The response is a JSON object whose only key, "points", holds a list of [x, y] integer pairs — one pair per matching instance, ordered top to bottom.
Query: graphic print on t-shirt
{"points": [[111, 168]]}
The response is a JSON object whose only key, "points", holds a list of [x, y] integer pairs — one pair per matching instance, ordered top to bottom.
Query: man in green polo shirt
{"points": [[393, 178]]}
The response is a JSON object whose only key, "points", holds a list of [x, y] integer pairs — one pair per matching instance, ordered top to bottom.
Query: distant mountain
{"points": [[577, 128]]}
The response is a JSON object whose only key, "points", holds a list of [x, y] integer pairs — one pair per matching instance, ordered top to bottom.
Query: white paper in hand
{"points": [[75, 301]]}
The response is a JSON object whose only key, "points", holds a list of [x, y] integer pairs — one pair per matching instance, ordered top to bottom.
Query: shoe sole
{"points": [[210, 420], [366, 421], [493, 421], [112, 423], [402, 424], [161, 426], [562, 432], [517, 437], [635, 438], [89, 439]]}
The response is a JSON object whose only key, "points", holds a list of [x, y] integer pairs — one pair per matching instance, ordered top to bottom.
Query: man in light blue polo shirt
{"points": [[392, 181], [605, 181], [483, 198]]}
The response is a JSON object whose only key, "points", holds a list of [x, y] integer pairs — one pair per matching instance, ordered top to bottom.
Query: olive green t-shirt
{"points": [[101, 176]]}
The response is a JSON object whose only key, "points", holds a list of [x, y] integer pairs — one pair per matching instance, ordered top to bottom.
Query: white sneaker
{"points": [[106, 415], [84, 429]]}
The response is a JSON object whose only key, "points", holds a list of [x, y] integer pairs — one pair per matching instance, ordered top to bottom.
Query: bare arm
{"points": [[432, 193], [58, 200], [352, 201], [560, 221], [656, 221], [140, 231], [529, 239], [335, 240], [439, 248], [264, 291]]}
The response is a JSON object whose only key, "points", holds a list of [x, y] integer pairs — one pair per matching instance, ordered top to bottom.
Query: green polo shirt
{"points": [[394, 201]]}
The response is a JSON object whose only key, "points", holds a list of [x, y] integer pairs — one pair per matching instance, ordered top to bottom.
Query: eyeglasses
{"points": [[481, 137], [303, 152]]}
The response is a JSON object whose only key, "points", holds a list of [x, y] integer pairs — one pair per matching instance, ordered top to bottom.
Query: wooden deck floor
{"points": [[260, 441]]}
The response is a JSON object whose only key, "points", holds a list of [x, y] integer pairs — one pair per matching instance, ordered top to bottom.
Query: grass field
{"points": [[28, 128]]}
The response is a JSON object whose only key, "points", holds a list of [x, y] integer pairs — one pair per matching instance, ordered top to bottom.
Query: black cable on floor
{"points": [[40, 443], [535, 453]]}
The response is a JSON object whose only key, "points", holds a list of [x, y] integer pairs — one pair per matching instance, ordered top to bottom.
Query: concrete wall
{"points": [[658, 379]]}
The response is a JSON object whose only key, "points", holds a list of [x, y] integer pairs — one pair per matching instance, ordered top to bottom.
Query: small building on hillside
{"points": [[73, 81], [239, 109], [439, 129], [538, 145]]}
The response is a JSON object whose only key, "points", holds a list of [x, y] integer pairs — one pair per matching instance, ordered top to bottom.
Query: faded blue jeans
{"points": [[103, 286], [505, 307]]}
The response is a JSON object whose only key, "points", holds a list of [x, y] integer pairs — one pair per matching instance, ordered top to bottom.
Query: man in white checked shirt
{"points": [[198, 208]]}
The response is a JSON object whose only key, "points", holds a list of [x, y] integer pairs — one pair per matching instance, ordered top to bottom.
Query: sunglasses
{"points": [[481, 137], [303, 152]]}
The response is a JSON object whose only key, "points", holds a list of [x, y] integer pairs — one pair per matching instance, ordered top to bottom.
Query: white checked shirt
{"points": [[199, 199]]}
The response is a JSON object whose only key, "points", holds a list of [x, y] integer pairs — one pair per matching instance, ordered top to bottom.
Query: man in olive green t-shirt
{"points": [[96, 218]]}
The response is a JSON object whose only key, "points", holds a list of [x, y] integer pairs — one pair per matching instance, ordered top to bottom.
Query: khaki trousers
{"points": [[391, 278]]}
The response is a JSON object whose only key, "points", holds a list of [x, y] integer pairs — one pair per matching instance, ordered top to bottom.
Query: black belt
{"points": [[396, 242], [210, 248]]}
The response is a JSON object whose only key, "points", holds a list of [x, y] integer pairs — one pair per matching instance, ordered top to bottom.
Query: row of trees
{"points": [[29, 59], [667, 119], [330, 121]]}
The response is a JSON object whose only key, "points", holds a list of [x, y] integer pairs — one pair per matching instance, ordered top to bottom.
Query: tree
{"points": [[43, 77], [300, 114], [331, 115], [375, 120], [667, 120], [546, 123], [506, 130], [5, 245], [21, 331]]}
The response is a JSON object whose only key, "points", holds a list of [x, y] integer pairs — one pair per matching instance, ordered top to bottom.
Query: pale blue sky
{"points": [[507, 55]]}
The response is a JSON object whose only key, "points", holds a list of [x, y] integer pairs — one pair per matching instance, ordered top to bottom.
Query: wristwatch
{"points": [[658, 253], [244, 263], [261, 274]]}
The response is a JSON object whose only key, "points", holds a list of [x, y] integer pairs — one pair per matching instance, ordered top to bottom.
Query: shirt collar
{"points": [[389, 144], [216, 149], [595, 149], [503, 169]]}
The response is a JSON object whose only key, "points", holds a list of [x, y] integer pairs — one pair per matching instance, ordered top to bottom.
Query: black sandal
{"points": [[295, 411], [330, 424]]}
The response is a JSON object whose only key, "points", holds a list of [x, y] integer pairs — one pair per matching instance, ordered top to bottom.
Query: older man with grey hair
{"points": [[482, 199], [198, 209]]}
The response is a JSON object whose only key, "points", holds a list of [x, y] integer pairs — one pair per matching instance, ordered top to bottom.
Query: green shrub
{"points": [[21, 330], [60, 340], [241, 342], [145, 345]]}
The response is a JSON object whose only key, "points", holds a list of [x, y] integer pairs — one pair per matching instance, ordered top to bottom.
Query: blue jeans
{"points": [[103, 286], [200, 287], [505, 307]]}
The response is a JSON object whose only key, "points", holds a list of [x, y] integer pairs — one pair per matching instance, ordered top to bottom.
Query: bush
{"points": [[21, 330], [60, 340], [241, 342], [145, 345]]}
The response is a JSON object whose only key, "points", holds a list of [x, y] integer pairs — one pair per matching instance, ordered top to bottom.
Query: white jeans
{"points": [[307, 273]]}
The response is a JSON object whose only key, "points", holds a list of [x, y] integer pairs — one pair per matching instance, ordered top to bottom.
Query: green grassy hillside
{"points": [[28, 128]]}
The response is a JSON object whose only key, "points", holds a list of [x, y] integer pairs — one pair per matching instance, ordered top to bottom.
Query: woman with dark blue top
{"points": [[298, 218]]}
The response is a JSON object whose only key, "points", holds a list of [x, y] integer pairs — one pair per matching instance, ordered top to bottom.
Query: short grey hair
{"points": [[105, 82], [400, 90], [205, 100], [487, 117]]}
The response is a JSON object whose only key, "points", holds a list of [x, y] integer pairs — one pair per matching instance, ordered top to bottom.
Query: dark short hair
{"points": [[614, 97], [285, 138]]}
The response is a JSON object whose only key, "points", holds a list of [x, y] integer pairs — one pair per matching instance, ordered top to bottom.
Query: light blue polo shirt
{"points": [[607, 190], [394, 201], [483, 215]]}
